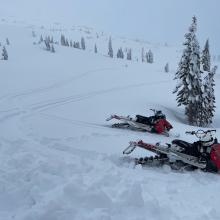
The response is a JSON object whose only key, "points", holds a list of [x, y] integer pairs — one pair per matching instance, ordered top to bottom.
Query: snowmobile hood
{"points": [[215, 155]]}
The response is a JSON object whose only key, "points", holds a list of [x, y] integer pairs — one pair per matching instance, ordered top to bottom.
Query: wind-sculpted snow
{"points": [[60, 159]]}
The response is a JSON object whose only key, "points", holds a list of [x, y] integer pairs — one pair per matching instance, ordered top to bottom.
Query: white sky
{"points": [[153, 20]]}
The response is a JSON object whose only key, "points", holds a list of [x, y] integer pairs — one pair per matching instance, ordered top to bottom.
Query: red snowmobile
{"points": [[155, 124], [181, 155]]}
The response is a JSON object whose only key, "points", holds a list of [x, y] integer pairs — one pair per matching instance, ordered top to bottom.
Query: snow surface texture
{"points": [[59, 160]]}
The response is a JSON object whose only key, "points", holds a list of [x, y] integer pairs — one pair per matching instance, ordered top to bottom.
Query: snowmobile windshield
{"points": [[159, 114]]}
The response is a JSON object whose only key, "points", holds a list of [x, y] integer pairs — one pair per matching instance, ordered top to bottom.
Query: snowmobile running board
{"points": [[160, 149]]}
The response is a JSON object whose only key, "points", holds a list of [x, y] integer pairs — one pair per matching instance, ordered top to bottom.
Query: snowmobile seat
{"points": [[143, 120], [182, 144], [187, 148]]}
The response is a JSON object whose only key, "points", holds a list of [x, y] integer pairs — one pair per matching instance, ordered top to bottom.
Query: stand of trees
{"points": [[195, 80]]}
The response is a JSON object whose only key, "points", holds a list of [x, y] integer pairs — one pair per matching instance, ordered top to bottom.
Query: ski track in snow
{"points": [[50, 87], [66, 100], [45, 105]]}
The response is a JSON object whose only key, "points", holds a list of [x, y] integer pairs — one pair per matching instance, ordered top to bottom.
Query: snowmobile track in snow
{"points": [[76, 98]]}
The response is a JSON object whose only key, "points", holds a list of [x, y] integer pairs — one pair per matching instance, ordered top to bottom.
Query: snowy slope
{"points": [[59, 160]]}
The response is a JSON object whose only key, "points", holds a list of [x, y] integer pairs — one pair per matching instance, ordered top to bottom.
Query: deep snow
{"points": [[58, 160]]}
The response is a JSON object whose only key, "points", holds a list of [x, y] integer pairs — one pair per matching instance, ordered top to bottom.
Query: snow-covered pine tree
{"points": [[33, 34], [41, 39], [51, 40], [63, 40], [7, 41], [47, 43], [67, 43], [76, 45], [83, 45], [52, 49], [95, 49], [110, 50], [120, 53], [4, 54], [129, 55], [142, 55], [147, 57], [150, 57], [206, 58], [166, 68], [188, 75], [208, 97], [195, 101]]}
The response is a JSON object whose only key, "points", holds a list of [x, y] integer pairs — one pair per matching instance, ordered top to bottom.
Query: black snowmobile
{"points": [[181, 155]]}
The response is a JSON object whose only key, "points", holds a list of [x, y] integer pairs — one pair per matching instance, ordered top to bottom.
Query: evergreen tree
{"points": [[33, 34], [41, 39], [51, 40], [63, 40], [7, 41], [47, 43], [67, 43], [76, 45], [83, 45], [52, 49], [95, 49], [110, 50], [120, 53], [4, 54], [129, 55], [142, 55], [149, 57], [205, 59], [166, 68], [188, 88], [208, 97]]}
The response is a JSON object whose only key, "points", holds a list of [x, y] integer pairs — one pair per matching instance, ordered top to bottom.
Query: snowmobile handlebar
{"points": [[153, 110], [200, 132]]}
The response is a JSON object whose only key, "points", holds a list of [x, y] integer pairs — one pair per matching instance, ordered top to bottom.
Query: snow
{"points": [[59, 160]]}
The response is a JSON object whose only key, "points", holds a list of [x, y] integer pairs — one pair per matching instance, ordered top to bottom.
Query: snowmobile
{"points": [[155, 124], [180, 155]]}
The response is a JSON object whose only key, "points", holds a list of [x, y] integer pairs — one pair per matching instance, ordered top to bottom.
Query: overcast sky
{"points": [[153, 20]]}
